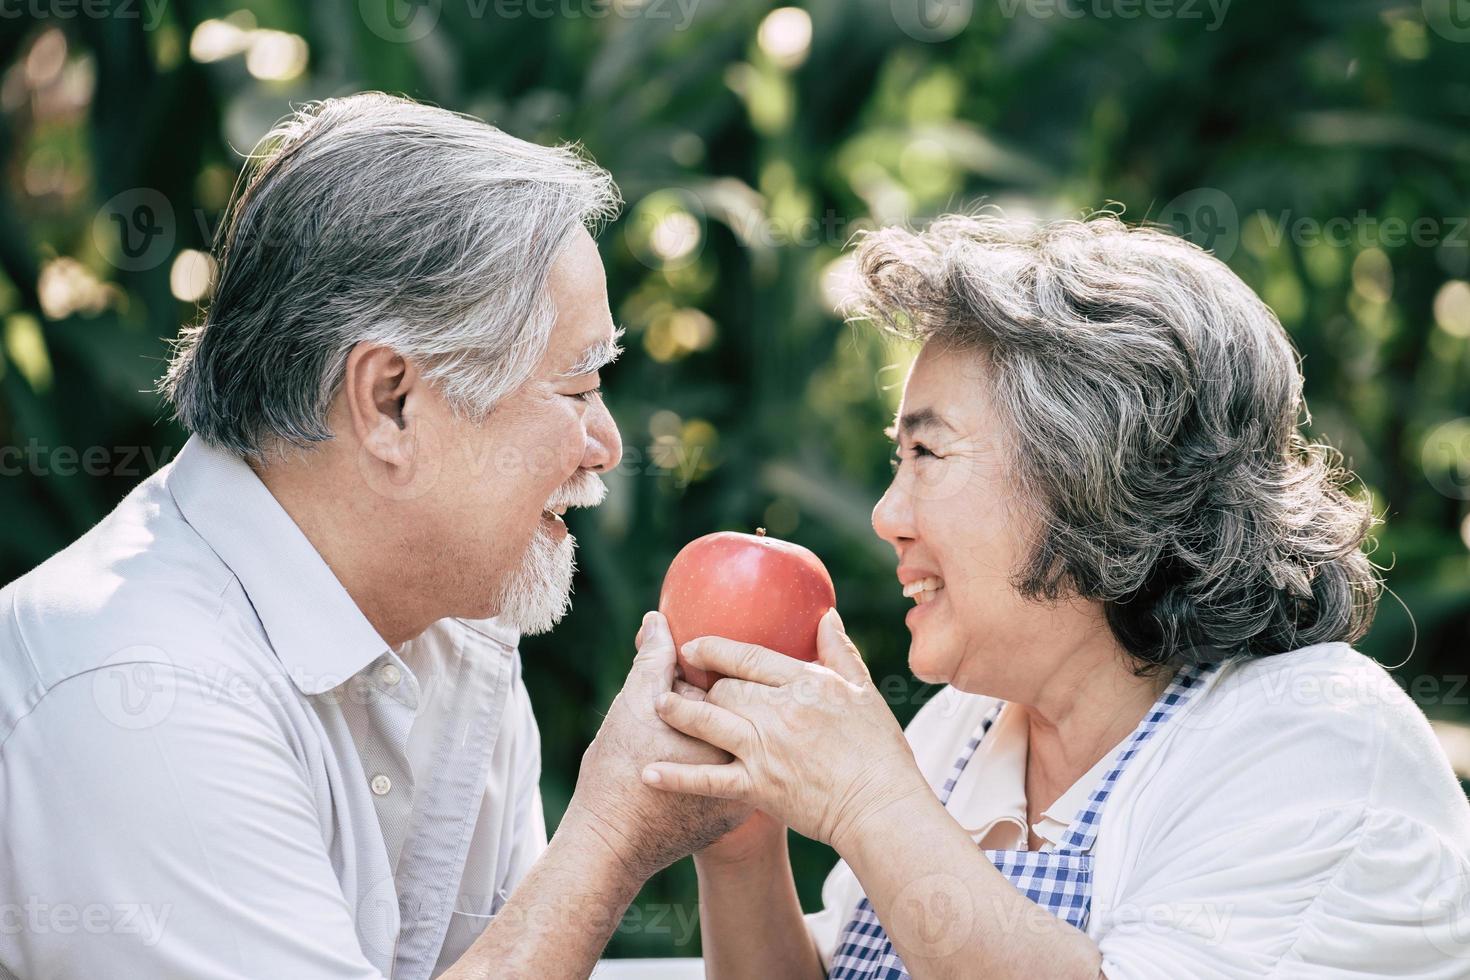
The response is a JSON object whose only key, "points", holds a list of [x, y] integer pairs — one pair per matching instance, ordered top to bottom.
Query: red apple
{"points": [[746, 587]]}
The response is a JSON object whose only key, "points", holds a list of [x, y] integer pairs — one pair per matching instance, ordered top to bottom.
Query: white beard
{"points": [[536, 596]]}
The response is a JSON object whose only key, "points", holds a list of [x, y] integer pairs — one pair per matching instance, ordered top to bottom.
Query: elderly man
{"points": [[266, 720]]}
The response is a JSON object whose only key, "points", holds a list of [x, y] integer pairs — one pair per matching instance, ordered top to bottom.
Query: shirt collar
{"points": [[318, 632], [992, 789], [1057, 818]]}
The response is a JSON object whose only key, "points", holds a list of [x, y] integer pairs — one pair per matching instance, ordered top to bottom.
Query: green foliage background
{"points": [[746, 399]]}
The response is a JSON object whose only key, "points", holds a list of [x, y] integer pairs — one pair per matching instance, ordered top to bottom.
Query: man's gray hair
{"points": [[376, 218], [1152, 404]]}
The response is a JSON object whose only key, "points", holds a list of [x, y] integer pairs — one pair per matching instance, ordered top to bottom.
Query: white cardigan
{"points": [[1297, 818]]}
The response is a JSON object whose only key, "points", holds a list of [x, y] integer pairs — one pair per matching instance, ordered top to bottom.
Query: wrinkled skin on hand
{"points": [[814, 745], [647, 829]]}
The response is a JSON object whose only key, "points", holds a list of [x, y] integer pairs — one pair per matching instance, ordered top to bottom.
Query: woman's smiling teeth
{"points": [[923, 590]]}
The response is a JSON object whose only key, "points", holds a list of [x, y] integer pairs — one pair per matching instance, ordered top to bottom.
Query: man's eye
{"points": [[586, 396]]}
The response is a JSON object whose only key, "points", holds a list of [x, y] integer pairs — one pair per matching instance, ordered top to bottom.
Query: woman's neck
{"points": [[1082, 712]]}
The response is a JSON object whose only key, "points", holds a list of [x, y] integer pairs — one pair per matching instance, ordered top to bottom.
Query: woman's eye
{"points": [[917, 450]]}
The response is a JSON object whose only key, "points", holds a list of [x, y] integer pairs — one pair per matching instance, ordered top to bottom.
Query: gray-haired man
{"points": [[266, 719]]}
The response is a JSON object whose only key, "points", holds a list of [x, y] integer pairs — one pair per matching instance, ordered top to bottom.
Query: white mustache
{"points": [[586, 489]]}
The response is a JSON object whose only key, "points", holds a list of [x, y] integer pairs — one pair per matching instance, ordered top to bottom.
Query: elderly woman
{"points": [[1158, 754]]}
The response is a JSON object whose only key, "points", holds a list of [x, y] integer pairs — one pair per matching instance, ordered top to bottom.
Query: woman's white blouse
{"points": [[1296, 818]]}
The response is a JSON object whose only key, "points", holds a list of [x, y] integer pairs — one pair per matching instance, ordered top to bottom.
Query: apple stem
{"points": [[760, 532]]}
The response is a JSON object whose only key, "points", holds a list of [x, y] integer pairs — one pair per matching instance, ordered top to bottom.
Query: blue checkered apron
{"points": [[1058, 880]]}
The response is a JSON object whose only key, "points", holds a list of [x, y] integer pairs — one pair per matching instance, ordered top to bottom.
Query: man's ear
{"points": [[377, 388]]}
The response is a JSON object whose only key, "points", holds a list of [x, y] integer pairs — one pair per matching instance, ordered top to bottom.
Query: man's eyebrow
{"points": [[596, 357], [918, 420]]}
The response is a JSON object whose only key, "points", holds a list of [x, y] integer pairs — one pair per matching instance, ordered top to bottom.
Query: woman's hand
{"points": [[815, 746], [758, 835]]}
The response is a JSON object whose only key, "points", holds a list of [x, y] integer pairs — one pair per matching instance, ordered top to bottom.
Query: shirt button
{"points": [[390, 675], [381, 784]]}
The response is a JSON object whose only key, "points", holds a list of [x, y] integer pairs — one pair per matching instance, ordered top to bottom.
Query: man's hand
{"points": [[816, 746], [646, 829], [615, 835]]}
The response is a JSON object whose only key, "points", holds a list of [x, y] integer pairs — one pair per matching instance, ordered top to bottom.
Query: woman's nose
{"points": [[604, 443], [893, 517]]}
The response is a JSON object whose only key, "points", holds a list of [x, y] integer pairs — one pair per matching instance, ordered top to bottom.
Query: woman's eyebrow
{"points": [[917, 421]]}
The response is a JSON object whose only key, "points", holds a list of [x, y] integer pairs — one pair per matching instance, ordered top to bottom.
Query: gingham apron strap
{"points": [[1186, 683], [969, 750], [1058, 881], [864, 951]]}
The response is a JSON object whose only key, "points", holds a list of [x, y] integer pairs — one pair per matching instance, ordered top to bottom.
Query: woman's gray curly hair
{"points": [[1153, 403]]}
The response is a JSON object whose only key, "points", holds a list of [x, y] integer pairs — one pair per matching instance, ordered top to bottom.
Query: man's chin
{"points": [[537, 594], [486, 609], [524, 621], [536, 629]]}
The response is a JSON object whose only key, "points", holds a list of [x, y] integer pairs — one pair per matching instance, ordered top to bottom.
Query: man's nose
{"points": [[604, 444]]}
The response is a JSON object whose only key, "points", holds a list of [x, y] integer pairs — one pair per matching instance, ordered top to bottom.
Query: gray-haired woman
{"points": [[1158, 754]]}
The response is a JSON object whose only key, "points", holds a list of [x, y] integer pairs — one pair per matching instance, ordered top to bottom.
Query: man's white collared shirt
{"points": [[212, 766]]}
